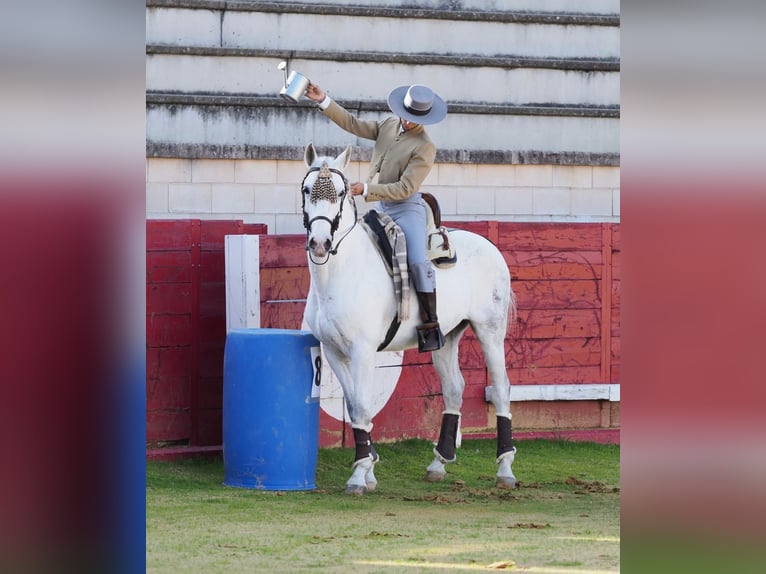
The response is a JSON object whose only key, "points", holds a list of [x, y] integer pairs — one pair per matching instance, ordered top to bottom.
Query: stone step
{"points": [[591, 7], [344, 28], [496, 61], [371, 80], [249, 100], [262, 127]]}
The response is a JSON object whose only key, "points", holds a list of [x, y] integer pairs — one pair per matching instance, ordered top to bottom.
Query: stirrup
{"points": [[430, 337]]}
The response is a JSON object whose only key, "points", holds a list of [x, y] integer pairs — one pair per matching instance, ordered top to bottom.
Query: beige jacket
{"points": [[403, 161]]}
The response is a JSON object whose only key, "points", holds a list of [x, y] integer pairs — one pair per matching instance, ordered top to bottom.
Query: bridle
{"points": [[325, 174]]}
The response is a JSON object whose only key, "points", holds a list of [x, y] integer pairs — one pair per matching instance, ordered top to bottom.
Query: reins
{"points": [[334, 222]]}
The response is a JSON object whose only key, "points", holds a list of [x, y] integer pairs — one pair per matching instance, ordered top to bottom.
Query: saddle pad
{"points": [[379, 232], [392, 247]]}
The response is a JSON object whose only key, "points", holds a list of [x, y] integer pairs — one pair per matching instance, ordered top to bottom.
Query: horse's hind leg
{"points": [[493, 346], [448, 368]]}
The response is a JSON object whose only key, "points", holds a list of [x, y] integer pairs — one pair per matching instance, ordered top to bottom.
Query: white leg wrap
{"points": [[509, 456], [440, 458], [364, 461], [436, 466], [435, 471], [505, 477], [369, 479], [357, 484]]}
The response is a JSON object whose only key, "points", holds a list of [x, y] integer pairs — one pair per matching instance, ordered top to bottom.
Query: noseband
{"points": [[324, 189]]}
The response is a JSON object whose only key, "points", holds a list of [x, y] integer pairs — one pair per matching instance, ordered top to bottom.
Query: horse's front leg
{"points": [[355, 374], [365, 458]]}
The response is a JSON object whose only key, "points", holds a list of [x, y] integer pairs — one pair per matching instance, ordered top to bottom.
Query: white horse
{"points": [[351, 304]]}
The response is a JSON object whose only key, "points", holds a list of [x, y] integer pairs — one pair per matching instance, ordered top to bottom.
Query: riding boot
{"points": [[430, 337]]}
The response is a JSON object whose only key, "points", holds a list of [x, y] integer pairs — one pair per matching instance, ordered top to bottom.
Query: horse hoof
{"points": [[432, 476], [505, 482], [370, 486], [356, 489]]}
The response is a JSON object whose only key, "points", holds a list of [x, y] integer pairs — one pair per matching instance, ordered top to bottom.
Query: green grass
{"points": [[564, 517]]}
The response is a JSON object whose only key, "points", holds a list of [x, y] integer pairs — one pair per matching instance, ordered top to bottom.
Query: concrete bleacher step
{"points": [[601, 7], [303, 26], [456, 78], [524, 79], [258, 131]]}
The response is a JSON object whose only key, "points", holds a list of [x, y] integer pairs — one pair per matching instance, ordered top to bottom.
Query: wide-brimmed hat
{"points": [[417, 103]]}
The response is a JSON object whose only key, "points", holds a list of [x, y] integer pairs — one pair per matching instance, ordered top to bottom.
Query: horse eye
{"points": [[306, 190]]}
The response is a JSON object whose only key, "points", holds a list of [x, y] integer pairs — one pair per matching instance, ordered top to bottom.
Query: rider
{"points": [[402, 158]]}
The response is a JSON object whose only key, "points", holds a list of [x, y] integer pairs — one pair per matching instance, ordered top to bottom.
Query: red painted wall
{"points": [[566, 280], [186, 329]]}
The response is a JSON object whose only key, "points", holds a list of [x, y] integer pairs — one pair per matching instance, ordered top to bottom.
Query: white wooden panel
{"points": [[243, 282], [587, 392]]}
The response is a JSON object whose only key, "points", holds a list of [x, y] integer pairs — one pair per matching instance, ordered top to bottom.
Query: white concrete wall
{"points": [[183, 27], [266, 191]]}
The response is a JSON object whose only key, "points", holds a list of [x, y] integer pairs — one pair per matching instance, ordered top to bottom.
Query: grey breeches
{"points": [[411, 217]]}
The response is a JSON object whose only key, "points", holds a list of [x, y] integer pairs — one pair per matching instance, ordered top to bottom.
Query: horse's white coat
{"points": [[351, 304]]}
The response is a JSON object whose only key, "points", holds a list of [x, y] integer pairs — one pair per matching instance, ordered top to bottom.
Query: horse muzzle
{"points": [[319, 248]]}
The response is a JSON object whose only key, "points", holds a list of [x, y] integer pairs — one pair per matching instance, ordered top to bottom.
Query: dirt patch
{"points": [[591, 487], [532, 525]]}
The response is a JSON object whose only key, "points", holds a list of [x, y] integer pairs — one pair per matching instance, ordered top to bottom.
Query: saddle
{"points": [[438, 247]]}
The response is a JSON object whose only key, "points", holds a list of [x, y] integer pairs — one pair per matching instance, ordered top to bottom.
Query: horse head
{"points": [[324, 192]]}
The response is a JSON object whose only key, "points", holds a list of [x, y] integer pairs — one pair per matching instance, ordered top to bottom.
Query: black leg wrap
{"points": [[447, 436], [504, 438], [364, 446]]}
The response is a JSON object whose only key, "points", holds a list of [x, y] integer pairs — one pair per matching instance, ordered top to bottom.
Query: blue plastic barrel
{"points": [[270, 409]]}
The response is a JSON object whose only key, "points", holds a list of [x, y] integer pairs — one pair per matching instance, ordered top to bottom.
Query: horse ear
{"points": [[310, 154], [344, 158]]}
